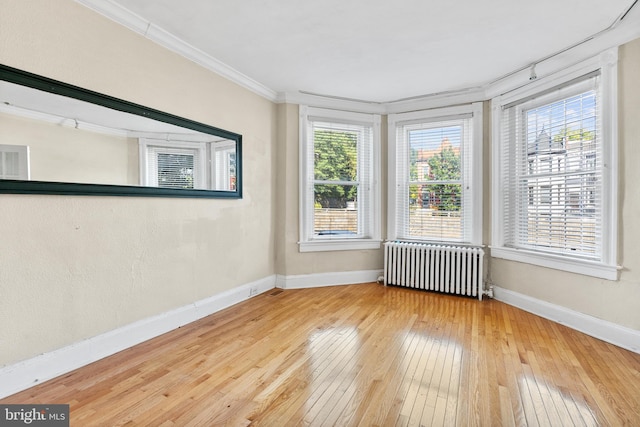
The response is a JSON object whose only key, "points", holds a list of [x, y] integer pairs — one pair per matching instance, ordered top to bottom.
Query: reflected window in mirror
{"points": [[223, 161], [14, 162], [172, 164], [184, 164]]}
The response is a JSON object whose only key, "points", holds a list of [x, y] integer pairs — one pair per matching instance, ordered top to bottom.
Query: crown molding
{"points": [[134, 22], [622, 31], [602, 47], [437, 100], [426, 102], [333, 103]]}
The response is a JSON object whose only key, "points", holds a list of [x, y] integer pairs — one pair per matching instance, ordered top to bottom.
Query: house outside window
{"points": [[553, 197]]}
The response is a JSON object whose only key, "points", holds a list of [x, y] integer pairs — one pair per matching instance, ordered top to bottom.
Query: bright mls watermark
{"points": [[34, 415]]}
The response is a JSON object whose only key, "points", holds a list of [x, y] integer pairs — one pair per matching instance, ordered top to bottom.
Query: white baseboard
{"points": [[317, 280], [606, 331], [31, 372], [28, 373]]}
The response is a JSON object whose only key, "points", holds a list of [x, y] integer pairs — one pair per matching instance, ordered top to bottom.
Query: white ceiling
{"points": [[378, 50], [44, 106]]}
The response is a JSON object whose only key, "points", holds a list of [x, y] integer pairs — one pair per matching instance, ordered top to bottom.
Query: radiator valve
{"points": [[489, 291]]}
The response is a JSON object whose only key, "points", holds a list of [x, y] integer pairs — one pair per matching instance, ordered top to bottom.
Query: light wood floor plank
{"points": [[358, 355]]}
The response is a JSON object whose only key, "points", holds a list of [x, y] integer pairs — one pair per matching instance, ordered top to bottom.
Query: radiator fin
{"points": [[431, 267]]}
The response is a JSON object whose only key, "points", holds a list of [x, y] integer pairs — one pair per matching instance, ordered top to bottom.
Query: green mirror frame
{"points": [[45, 84]]}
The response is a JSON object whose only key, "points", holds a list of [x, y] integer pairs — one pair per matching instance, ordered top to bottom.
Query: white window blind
{"points": [[14, 162], [552, 169], [340, 171], [434, 192], [338, 200]]}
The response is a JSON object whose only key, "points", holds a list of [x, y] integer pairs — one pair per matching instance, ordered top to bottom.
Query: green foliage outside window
{"points": [[573, 135], [335, 159], [444, 166]]}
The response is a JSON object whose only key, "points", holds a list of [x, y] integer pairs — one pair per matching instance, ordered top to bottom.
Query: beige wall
{"points": [[65, 154], [74, 267], [614, 301]]}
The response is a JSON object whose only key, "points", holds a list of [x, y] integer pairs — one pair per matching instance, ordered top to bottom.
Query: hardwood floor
{"points": [[357, 355]]}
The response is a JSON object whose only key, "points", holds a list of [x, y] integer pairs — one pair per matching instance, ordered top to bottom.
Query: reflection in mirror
{"points": [[49, 137]]}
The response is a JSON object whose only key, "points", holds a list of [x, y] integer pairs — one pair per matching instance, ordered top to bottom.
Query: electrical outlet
{"points": [[253, 291]]}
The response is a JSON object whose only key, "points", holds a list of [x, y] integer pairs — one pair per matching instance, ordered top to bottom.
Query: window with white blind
{"points": [[14, 162], [435, 163], [191, 165], [339, 167], [554, 168]]}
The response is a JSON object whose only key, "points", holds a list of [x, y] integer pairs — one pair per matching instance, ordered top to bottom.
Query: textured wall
{"points": [[59, 153], [74, 267], [614, 301]]}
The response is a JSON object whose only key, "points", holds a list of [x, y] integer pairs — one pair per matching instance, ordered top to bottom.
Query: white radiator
{"points": [[442, 268]]}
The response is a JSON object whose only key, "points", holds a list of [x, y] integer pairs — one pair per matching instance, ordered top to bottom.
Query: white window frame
{"points": [[151, 147], [219, 155], [24, 172], [473, 182], [371, 237], [606, 267]]}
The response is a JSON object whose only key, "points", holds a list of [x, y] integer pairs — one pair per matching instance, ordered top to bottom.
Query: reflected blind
{"points": [[14, 162], [169, 167], [552, 172], [339, 174], [433, 198]]}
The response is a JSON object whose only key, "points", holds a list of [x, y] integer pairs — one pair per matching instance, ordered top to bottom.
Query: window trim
{"points": [[147, 149], [214, 149], [24, 163], [475, 167], [309, 243], [606, 268]]}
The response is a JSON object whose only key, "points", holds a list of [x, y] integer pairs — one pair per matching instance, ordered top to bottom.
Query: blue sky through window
{"points": [[571, 114], [430, 139]]}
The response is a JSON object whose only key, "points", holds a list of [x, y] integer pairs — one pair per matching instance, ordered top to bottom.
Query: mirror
{"points": [[57, 138]]}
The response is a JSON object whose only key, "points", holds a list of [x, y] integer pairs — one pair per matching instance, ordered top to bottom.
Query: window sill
{"points": [[442, 242], [339, 245], [587, 268]]}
